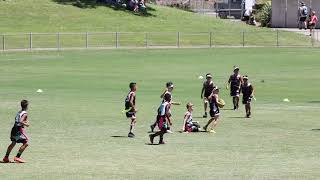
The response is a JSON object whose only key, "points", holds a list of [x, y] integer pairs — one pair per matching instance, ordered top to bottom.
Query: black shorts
{"points": [[302, 19], [312, 26], [234, 91], [246, 99], [214, 113], [131, 115], [18, 135]]}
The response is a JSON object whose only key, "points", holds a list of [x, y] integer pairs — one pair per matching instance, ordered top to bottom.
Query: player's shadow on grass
{"points": [[315, 102], [238, 117], [315, 129], [119, 136], [149, 144], [7, 162]]}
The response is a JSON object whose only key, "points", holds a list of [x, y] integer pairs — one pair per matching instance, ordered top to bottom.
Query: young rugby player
{"points": [[235, 81], [207, 88], [168, 90], [247, 91], [130, 107], [214, 110], [163, 119], [188, 124], [18, 133]]}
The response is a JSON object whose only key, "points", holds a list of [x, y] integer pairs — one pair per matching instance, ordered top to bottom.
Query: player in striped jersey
{"points": [[130, 107], [163, 119], [188, 124], [18, 133]]}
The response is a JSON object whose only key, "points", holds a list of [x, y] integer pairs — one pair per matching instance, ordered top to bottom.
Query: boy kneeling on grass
{"points": [[163, 118], [188, 124], [18, 134]]}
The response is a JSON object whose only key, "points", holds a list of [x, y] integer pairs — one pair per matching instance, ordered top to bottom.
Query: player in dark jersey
{"points": [[235, 81], [207, 88], [168, 90], [247, 91], [130, 107], [214, 111], [163, 119], [18, 134]]}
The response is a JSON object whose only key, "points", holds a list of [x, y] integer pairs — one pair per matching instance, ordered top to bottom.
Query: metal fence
{"points": [[104, 40]]}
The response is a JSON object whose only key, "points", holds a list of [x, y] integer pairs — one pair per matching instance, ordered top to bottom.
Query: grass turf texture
{"points": [[47, 16], [74, 119]]}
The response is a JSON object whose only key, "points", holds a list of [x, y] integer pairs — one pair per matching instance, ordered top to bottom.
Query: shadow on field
{"points": [[113, 4], [315, 102], [227, 109], [237, 117], [315, 129], [119, 136], [149, 144], [7, 162]]}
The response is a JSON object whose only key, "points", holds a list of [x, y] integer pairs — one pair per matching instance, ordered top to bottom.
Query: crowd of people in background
{"points": [[306, 19]]}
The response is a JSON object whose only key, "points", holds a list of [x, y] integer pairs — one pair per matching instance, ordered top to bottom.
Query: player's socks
{"points": [[205, 115], [152, 127], [151, 136], [18, 155]]}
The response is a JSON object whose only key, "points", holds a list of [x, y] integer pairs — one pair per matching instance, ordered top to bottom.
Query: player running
{"points": [[235, 81], [207, 88], [168, 90], [247, 91], [130, 107], [214, 111], [163, 119], [18, 133]]}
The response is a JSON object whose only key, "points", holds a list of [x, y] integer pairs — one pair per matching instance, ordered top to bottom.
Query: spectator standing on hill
{"points": [[302, 16], [313, 22]]}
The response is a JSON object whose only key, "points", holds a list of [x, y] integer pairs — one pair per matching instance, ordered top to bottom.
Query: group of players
{"points": [[210, 94]]}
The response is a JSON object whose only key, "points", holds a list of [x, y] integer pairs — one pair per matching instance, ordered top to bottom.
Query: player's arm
{"points": [[228, 83], [202, 91], [252, 91], [164, 92], [175, 103], [133, 108], [168, 115], [24, 120], [184, 123]]}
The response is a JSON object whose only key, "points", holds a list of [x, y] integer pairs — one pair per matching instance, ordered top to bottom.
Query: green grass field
{"points": [[19, 18], [74, 119]]}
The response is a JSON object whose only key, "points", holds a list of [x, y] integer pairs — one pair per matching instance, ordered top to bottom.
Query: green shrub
{"points": [[264, 15]]}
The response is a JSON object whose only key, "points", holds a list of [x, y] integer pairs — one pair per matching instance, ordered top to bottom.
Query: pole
{"points": [[242, 38], [277, 38], [146, 39], [178, 39], [210, 39], [30, 40], [87, 40], [117, 40], [58, 41], [3, 42]]}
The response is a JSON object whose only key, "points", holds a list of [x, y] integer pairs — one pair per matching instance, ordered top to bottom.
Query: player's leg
{"points": [[205, 105], [248, 109], [208, 123], [132, 126], [162, 132], [22, 148], [9, 149]]}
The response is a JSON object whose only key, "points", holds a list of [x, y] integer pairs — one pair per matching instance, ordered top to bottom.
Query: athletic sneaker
{"points": [[205, 115], [152, 128], [169, 131], [211, 131], [131, 135], [151, 138], [162, 142], [6, 160], [19, 160]]}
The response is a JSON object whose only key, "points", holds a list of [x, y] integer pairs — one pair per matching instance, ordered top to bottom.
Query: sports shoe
{"points": [[205, 115], [152, 128], [169, 131], [211, 131], [131, 135], [151, 138], [162, 142], [6, 159], [19, 160]]}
